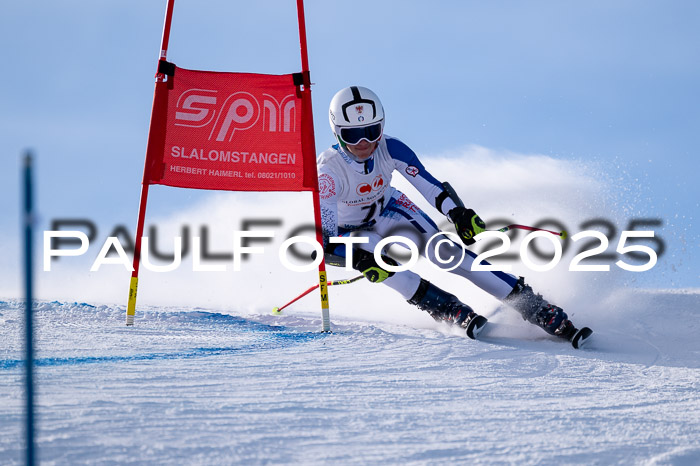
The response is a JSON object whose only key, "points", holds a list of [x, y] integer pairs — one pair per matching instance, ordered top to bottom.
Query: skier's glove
{"points": [[467, 223], [365, 263]]}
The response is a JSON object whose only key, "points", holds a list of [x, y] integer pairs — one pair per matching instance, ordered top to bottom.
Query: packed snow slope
{"points": [[207, 375], [191, 386]]}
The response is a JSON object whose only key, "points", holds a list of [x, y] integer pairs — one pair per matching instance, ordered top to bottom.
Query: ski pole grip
{"points": [[452, 194]]}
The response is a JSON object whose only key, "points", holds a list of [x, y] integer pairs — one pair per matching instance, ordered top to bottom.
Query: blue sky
{"points": [[610, 83]]}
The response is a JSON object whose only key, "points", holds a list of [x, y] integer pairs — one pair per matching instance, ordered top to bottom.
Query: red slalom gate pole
{"points": [[160, 77], [309, 144]]}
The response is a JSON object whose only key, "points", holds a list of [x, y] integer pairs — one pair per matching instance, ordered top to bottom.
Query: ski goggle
{"points": [[354, 135]]}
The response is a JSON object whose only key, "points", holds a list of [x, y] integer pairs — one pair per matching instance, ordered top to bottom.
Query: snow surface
{"points": [[208, 376], [192, 386]]}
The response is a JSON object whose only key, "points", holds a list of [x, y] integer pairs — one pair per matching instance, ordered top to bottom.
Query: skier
{"points": [[357, 199]]}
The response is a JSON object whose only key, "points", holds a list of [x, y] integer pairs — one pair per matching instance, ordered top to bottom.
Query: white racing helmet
{"points": [[356, 113]]}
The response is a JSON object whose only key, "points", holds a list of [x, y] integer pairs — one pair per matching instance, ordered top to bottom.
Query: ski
{"points": [[475, 326], [581, 337], [578, 338]]}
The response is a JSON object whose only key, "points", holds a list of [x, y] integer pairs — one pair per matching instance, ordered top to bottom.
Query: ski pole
{"points": [[455, 198], [562, 233], [278, 310]]}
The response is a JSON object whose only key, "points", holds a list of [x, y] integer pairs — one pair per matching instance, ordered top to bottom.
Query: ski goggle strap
{"points": [[354, 135]]}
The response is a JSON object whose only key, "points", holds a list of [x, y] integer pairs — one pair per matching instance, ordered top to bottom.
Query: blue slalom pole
{"points": [[28, 324]]}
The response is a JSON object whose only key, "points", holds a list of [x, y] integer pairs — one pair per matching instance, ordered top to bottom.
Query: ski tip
{"points": [[276, 311], [476, 325], [581, 337]]}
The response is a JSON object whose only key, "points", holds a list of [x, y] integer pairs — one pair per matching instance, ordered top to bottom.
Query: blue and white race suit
{"points": [[358, 197]]}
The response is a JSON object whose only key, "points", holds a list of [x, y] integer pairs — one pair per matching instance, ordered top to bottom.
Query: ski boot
{"points": [[445, 307], [536, 310]]}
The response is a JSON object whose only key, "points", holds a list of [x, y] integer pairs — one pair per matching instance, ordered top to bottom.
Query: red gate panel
{"points": [[228, 131]]}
